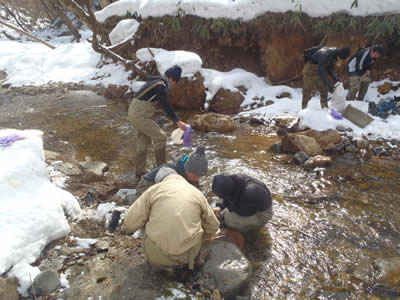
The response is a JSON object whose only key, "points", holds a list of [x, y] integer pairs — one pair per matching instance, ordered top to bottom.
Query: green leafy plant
{"points": [[174, 23], [220, 25]]}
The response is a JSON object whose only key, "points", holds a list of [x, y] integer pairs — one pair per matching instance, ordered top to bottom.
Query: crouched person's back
{"points": [[176, 218]]}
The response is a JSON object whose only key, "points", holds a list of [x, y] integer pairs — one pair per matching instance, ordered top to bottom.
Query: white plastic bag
{"points": [[338, 101], [176, 136]]}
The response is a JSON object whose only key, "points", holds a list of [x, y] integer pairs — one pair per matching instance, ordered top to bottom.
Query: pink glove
{"points": [[187, 139]]}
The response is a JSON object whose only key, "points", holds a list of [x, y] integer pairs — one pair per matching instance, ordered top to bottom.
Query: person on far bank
{"points": [[359, 70], [319, 73], [141, 113], [191, 167], [246, 201]]}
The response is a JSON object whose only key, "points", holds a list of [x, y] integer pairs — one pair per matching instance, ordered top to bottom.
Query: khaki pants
{"points": [[312, 81], [358, 84], [141, 115], [256, 221], [161, 260]]}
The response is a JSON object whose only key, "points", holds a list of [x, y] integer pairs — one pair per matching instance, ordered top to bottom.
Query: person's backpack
{"points": [[309, 52], [384, 107]]}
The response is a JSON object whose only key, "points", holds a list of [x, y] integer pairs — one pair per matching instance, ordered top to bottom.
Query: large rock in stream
{"points": [[225, 268]]}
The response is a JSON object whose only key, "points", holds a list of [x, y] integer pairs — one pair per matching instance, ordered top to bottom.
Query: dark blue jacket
{"points": [[326, 59], [360, 63], [158, 93]]}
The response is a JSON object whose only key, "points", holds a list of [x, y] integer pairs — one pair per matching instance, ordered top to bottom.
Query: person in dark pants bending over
{"points": [[317, 70], [141, 113], [246, 201]]}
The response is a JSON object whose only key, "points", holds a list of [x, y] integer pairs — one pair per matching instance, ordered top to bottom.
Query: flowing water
{"points": [[329, 228]]}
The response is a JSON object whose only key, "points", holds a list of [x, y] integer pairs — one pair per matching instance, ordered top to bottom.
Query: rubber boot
{"points": [[160, 155], [140, 164]]}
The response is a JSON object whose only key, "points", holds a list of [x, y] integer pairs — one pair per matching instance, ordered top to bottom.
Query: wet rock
{"points": [[3, 76], [385, 88], [115, 91], [284, 95], [226, 102], [256, 121], [212, 122], [287, 125], [341, 128], [327, 139], [292, 143], [362, 143], [276, 148], [350, 148], [51, 155], [300, 157], [318, 161], [94, 167], [67, 169], [102, 246], [226, 268], [389, 270], [45, 283], [8, 288], [386, 292], [336, 293]]}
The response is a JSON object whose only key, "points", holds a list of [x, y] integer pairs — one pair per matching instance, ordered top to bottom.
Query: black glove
{"points": [[331, 89]]}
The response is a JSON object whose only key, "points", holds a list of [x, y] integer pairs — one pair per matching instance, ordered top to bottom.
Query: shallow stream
{"points": [[330, 226]]}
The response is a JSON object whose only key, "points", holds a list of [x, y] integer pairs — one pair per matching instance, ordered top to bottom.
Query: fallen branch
{"points": [[27, 34]]}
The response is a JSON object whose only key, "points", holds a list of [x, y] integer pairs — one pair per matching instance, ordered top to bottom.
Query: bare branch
{"points": [[27, 34], [106, 51]]}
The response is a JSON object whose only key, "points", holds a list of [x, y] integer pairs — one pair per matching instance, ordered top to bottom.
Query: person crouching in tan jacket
{"points": [[175, 218]]}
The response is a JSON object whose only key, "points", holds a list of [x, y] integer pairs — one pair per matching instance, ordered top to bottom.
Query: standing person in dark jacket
{"points": [[318, 67], [359, 68], [141, 112], [189, 167], [246, 201]]}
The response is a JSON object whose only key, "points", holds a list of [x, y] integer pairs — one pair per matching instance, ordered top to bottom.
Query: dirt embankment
{"points": [[262, 46]]}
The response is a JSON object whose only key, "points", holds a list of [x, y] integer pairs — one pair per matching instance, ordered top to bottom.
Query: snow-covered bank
{"points": [[245, 9], [32, 209]]}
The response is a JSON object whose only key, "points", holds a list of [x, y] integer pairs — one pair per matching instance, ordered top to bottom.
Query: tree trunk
{"points": [[57, 7], [83, 16], [107, 52]]}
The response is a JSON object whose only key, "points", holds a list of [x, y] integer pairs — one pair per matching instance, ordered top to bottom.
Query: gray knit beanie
{"points": [[197, 163], [162, 173]]}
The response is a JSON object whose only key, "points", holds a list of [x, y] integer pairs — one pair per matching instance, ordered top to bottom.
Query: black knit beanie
{"points": [[343, 53], [174, 73], [223, 186]]}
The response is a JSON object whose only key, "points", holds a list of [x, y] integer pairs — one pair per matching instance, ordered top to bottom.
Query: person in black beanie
{"points": [[141, 112], [246, 201]]}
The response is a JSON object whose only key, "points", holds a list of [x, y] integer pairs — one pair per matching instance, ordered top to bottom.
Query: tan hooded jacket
{"points": [[175, 214]]}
